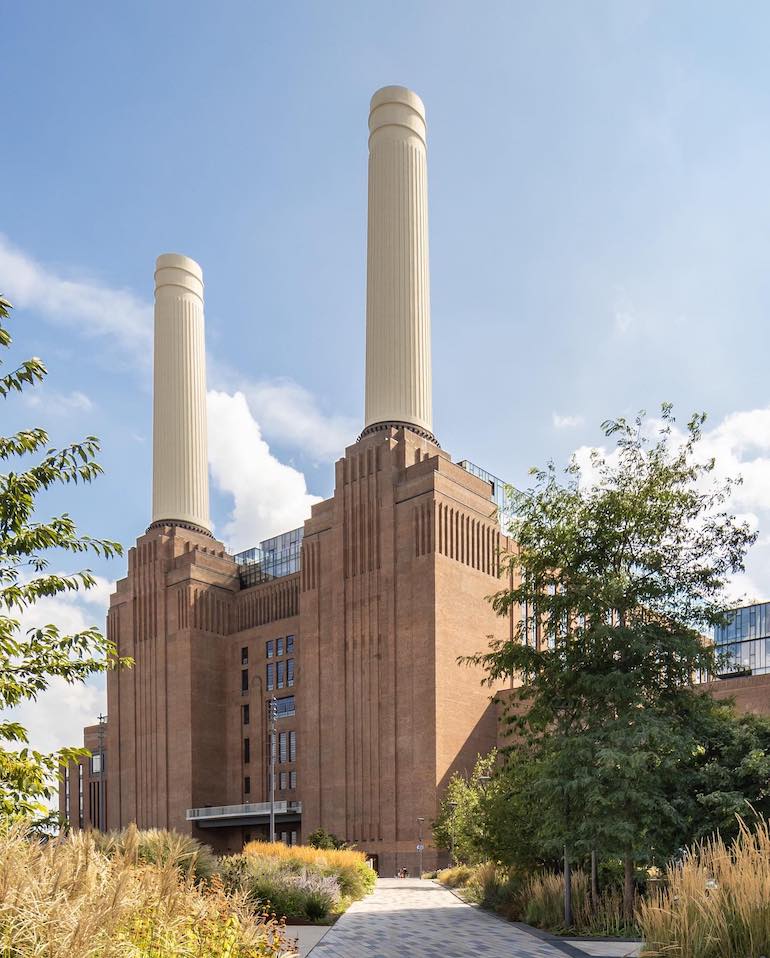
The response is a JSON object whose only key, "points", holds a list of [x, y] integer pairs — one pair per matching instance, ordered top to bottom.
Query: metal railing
{"points": [[240, 811]]}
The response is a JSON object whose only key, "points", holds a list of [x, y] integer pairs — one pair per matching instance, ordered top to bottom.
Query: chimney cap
{"points": [[397, 94], [179, 261]]}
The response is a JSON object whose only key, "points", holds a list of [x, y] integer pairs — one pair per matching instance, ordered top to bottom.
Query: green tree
{"points": [[615, 576], [29, 659], [460, 822], [320, 838]]}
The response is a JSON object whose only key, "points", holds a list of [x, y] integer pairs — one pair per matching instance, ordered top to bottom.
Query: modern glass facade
{"points": [[498, 495], [271, 559], [744, 641]]}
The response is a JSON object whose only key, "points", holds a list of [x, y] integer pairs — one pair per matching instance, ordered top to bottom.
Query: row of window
{"points": [[279, 647], [279, 674], [286, 748], [287, 781]]}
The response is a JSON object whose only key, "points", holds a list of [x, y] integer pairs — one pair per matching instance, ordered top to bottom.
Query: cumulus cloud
{"points": [[91, 308], [288, 413], [566, 422], [268, 496]]}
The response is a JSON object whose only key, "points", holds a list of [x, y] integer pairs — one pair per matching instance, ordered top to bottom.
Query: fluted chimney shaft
{"points": [[398, 366], [180, 485]]}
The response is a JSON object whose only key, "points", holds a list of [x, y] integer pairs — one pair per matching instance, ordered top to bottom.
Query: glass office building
{"points": [[271, 559], [744, 641]]}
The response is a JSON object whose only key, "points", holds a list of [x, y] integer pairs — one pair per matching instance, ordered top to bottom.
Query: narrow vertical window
{"points": [[289, 644], [279, 646], [269, 649], [245, 655], [289, 672], [280, 673], [270, 675], [244, 680], [245, 709], [292, 746], [283, 747], [246, 750], [292, 779], [247, 785]]}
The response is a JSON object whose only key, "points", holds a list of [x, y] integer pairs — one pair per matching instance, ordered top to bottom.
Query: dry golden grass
{"points": [[306, 854], [68, 900], [717, 903]]}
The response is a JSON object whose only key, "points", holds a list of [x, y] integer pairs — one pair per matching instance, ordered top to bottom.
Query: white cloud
{"points": [[88, 307], [56, 403], [289, 414], [566, 422], [269, 497]]}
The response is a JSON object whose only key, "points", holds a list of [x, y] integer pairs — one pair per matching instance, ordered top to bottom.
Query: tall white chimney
{"points": [[398, 367], [180, 482]]}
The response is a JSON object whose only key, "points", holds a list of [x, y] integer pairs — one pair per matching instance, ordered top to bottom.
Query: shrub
{"points": [[320, 838], [157, 846], [456, 877], [356, 878], [277, 886], [66, 899], [717, 903]]}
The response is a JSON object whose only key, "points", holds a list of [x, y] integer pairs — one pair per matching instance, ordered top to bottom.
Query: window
{"points": [[289, 644], [279, 646], [269, 649], [245, 655], [280, 668], [270, 669], [290, 672], [244, 680], [285, 706], [245, 710], [283, 746], [292, 746], [246, 750], [96, 764], [292, 779], [283, 781], [247, 785], [246, 838], [285, 838], [293, 838]]}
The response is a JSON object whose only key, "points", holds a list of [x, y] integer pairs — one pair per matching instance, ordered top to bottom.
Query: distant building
{"points": [[743, 644]]}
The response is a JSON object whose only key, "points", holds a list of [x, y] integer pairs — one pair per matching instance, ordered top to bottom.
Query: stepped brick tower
{"points": [[339, 642]]}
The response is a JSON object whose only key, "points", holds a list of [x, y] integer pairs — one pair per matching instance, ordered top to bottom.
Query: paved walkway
{"points": [[409, 918]]}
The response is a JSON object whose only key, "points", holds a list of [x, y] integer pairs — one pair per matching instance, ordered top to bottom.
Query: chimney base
{"points": [[394, 424]]}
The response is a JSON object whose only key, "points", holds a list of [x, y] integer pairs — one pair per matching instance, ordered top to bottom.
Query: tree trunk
{"points": [[594, 881], [628, 887], [567, 890]]}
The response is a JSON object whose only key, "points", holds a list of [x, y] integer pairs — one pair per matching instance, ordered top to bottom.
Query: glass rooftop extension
{"points": [[497, 495], [271, 559], [744, 641]]}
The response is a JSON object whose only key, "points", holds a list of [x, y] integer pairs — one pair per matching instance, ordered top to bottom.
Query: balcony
{"points": [[252, 813]]}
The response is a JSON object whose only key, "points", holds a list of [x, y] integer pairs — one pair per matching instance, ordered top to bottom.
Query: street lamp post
{"points": [[273, 715], [102, 795], [420, 844]]}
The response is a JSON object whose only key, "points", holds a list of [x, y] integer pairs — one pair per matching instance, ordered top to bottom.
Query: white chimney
{"points": [[398, 366], [180, 483]]}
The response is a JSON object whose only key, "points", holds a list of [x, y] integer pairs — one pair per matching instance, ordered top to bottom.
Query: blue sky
{"points": [[599, 215]]}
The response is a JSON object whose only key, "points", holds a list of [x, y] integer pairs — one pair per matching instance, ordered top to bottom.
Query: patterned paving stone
{"points": [[409, 918]]}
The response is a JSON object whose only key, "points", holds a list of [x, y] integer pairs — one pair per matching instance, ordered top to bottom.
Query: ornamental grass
{"points": [[348, 866], [67, 899], [716, 903]]}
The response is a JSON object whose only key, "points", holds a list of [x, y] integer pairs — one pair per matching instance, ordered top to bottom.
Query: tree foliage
{"points": [[618, 571], [30, 658]]}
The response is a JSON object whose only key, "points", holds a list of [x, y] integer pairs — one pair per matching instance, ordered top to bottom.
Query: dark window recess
{"points": [[289, 644], [279, 646], [269, 649], [245, 655], [280, 668], [289, 672], [270, 674], [244, 680], [245, 714], [246, 750], [247, 785]]}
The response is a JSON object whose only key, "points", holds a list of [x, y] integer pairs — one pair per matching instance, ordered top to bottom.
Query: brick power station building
{"points": [[349, 627]]}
